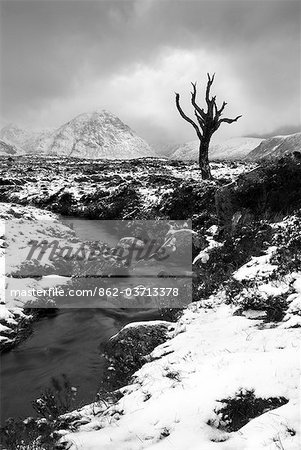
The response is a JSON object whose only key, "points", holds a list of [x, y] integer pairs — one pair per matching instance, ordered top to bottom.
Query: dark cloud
{"points": [[63, 57]]}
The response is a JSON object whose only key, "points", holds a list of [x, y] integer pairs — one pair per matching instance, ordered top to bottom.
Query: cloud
{"points": [[63, 58]]}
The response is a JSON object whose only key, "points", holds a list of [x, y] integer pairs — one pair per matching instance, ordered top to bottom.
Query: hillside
{"points": [[99, 134], [26, 141], [276, 146], [234, 148], [8, 149], [166, 150], [227, 374]]}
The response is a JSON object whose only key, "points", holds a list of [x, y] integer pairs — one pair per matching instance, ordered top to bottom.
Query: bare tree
{"points": [[207, 123]]}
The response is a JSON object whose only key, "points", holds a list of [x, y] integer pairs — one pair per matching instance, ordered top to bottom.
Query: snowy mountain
{"points": [[99, 134], [15, 135], [26, 141], [277, 146], [234, 148], [8, 149], [166, 150], [186, 151]]}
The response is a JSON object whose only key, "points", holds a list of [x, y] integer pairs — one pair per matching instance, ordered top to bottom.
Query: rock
{"points": [[268, 190], [188, 198], [229, 198], [15, 213], [241, 218], [130, 242], [179, 242], [254, 314], [14, 327], [126, 351]]}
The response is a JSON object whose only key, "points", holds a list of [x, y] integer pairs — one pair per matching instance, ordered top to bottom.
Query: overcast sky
{"points": [[62, 58]]}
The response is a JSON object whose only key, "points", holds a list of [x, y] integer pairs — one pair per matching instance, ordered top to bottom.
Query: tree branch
{"points": [[209, 84], [194, 104], [222, 108], [218, 112], [229, 120], [200, 121], [198, 132]]}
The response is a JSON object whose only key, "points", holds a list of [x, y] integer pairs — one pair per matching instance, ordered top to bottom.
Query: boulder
{"points": [[271, 190], [246, 193], [126, 351]]}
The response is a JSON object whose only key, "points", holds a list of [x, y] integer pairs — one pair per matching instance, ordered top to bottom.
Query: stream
{"points": [[68, 342]]}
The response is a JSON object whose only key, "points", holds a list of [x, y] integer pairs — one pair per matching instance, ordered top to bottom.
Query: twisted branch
{"points": [[194, 104], [229, 120], [198, 132]]}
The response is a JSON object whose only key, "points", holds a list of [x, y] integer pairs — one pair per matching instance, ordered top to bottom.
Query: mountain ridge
{"points": [[97, 134], [276, 147], [233, 148]]}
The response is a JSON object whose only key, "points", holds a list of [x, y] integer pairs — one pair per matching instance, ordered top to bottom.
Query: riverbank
{"points": [[19, 224], [50, 340], [227, 377], [222, 383]]}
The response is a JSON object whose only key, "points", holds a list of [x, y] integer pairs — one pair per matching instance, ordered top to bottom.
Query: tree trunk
{"points": [[204, 159]]}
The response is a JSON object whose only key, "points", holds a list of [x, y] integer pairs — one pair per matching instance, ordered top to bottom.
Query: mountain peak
{"points": [[96, 134]]}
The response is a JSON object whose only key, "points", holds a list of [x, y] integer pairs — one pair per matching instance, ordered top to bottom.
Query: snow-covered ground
{"points": [[96, 189], [18, 225], [220, 350], [175, 400]]}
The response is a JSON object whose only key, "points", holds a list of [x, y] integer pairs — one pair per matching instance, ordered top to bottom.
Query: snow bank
{"points": [[18, 225], [175, 395], [175, 399]]}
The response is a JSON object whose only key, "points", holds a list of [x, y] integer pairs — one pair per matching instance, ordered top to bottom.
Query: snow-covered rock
{"points": [[126, 351]]}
